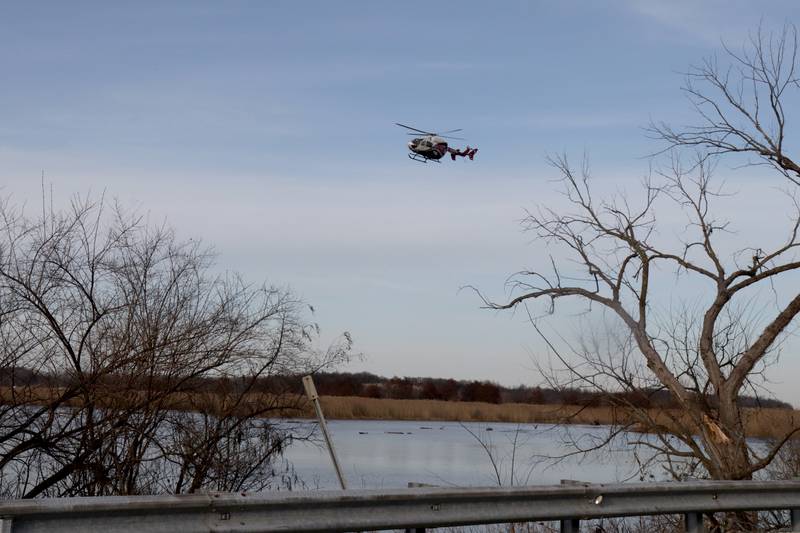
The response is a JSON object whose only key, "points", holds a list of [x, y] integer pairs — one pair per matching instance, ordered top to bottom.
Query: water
{"points": [[390, 454]]}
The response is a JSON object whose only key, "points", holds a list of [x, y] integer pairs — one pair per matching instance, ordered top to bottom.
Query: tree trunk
{"points": [[726, 436]]}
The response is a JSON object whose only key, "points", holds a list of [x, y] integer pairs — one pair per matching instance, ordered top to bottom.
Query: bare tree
{"points": [[742, 102], [617, 247], [127, 337], [706, 361]]}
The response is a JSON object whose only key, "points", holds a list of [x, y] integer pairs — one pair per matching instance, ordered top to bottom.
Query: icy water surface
{"points": [[390, 454]]}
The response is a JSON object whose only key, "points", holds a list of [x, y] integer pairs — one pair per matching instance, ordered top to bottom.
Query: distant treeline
{"points": [[367, 385]]}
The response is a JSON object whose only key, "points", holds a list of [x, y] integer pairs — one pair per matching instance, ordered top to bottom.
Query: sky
{"points": [[267, 130]]}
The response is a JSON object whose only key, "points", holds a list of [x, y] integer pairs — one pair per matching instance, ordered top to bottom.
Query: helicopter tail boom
{"points": [[466, 152]]}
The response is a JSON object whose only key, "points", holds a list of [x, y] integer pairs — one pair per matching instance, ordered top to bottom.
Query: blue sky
{"points": [[266, 128]]}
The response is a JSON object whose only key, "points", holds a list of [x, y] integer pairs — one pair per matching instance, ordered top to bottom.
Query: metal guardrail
{"points": [[416, 508]]}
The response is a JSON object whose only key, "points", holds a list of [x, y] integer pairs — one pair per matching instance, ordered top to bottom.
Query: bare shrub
{"points": [[121, 322]]}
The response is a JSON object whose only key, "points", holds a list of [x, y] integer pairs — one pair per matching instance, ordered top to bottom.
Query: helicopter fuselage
{"points": [[433, 146], [429, 147]]}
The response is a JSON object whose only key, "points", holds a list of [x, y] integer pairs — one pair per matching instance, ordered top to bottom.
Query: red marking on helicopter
{"points": [[433, 146]]}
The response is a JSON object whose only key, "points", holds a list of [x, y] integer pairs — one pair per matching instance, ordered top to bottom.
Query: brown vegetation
{"points": [[760, 422], [764, 422]]}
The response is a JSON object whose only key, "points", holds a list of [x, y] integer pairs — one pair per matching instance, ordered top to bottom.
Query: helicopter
{"points": [[433, 146]]}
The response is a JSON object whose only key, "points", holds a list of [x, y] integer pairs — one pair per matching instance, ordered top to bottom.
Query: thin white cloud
{"points": [[709, 22], [450, 65], [588, 120]]}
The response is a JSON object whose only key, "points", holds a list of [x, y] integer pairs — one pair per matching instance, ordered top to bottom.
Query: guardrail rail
{"points": [[412, 509]]}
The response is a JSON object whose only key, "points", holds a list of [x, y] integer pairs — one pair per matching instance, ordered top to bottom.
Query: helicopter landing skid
{"points": [[422, 158]]}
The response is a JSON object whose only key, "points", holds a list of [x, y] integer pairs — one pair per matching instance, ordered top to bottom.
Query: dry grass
{"points": [[206, 402], [759, 422]]}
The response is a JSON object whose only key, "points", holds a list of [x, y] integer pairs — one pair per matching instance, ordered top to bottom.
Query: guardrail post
{"points": [[795, 518], [694, 522], [5, 525], [570, 525]]}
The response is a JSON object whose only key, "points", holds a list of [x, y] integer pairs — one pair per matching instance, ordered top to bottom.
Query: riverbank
{"points": [[760, 422], [763, 422]]}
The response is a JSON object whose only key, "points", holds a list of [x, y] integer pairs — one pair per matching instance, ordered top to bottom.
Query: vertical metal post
{"points": [[311, 392], [795, 518], [694, 522], [570, 525]]}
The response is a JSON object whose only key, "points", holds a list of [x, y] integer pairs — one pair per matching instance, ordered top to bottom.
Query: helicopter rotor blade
{"points": [[412, 129], [442, 134], [437, 135]]}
